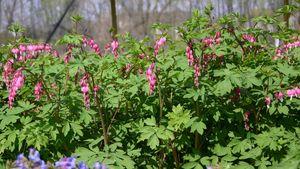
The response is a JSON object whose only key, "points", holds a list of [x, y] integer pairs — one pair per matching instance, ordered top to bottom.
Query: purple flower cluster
{"points": [[34, 162], [66, 163]]}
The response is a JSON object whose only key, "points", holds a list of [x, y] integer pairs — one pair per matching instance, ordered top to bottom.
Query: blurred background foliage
{"points": [[41, 17]]}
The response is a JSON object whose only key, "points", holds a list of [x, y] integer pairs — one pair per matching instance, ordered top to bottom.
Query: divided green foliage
{"points": [[224, 122]]}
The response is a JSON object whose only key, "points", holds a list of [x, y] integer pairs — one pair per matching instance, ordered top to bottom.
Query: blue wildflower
{"points": [[66, 163], [82, 165], [98, 165]]}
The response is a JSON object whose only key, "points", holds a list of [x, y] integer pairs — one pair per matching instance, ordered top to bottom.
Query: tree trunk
{"points": [[229, 6], [287, 15], [113, 18], [59, 21]]}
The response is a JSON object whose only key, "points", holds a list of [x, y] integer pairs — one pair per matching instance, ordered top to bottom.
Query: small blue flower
{"points": [[34, 155], [66, 163], [82, 165], [98, 165]]}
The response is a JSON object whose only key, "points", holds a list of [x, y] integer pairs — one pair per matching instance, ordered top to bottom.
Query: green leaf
{"points": [[223, 87], [283, 110], [150, 121], [199, 127], [77, 128], [66, 129], [153, 142], [221, 151], [253, 153], [205, 161], [189, 165]]}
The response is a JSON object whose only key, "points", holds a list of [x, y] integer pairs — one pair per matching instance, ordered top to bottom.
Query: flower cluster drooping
{"points": [[249, 38], [210, 41], [91, 43], [158, 45], [114, 48], [285, 48], [25, 52], [69, 54], [189, 55], [192, 61], [128, 67], [8, 71], [196, 72], [151, 77], [84, 83], [16, 84], [96, 89], [38, 90], [291, 93], [279, 96], [247, 120]]}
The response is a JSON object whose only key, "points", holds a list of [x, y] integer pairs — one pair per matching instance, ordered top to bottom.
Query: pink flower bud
{"points": [[22, 48], [15, 51], [279, 96], [268, 101]]}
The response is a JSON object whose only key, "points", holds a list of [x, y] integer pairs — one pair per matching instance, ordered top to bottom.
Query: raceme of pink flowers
{"points": [[249, 38], [210, 41], [91, 43], [158, 45], [114, 48], [285, 48], [29, 51], [69, 54], [189, 55], [193, 62], [8, 71], [196, 72], [151, 77], [16, 84], [96, 89], [38, 90], [85, 90], [292, 93]]}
